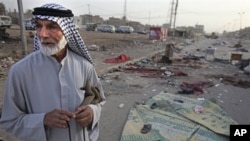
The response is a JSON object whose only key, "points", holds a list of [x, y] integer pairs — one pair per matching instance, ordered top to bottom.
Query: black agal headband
{"points": [[52, 12]]}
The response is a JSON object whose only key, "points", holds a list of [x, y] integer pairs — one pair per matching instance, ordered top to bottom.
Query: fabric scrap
{"points": [[119, 59]]}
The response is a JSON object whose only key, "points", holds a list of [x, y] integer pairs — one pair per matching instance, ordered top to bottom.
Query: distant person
{"points": [[44, 91]]}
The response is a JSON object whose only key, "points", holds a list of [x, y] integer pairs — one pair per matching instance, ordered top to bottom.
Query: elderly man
{"points": [[44, 94]]}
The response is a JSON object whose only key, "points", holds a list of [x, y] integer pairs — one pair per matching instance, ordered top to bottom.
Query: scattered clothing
{"points": [[120, 59], [193, 87]]}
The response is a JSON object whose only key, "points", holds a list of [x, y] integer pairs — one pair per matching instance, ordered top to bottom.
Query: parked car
{"points": [[5, 21], [29, 26], [91, 27], [99, 27], [106, 28], [109, 28], [125, 29], [118, 30], [142, 32]]}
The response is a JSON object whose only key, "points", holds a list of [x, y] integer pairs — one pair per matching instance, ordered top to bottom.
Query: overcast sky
{"points": [[215, 15]]}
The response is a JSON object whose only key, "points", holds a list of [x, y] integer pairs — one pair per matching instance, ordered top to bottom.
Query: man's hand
{"points": [[84, 115], [58, 118]]}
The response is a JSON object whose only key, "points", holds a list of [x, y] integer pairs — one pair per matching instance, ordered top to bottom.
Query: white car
{"points": [[5, 21], [106, 28], [126, 29]]}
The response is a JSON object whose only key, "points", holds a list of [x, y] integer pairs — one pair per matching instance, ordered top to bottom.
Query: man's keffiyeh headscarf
{"points": [[64, 18]]}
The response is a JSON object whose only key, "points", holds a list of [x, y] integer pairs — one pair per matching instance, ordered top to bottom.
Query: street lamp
{"points": [[241, 13]]}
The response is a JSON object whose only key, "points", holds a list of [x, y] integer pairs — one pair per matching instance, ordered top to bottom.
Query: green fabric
{"points": [[175, 121]]}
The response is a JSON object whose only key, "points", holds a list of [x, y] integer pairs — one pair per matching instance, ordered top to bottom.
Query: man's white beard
{"points": [[52, 50]]}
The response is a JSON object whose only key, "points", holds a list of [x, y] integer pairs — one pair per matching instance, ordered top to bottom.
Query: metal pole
{"points": [[175, 12], [171, 14], [149, 18], [21, 19], [90, 19], [240, 24]]}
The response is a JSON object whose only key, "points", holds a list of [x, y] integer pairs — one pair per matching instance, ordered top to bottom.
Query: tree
{"points": [[2, 9], [28, 14]]}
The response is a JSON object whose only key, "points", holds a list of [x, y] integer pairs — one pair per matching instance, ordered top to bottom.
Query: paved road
{"points": [[128, 88]]}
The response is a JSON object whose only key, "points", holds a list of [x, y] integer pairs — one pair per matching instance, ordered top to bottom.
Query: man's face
{"points": [[48, 32]]}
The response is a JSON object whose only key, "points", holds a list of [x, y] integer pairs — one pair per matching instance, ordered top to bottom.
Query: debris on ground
{"points": [[238, 45], [93, 48], [119, 59], [247, 69], [231, 80], [194, 87], [181, 117]]}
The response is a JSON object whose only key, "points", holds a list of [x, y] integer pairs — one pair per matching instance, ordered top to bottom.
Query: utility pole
{"points": [[125, 11], [175, 13], [241, 13], [171, 14], [149, 18], [21, 19], [90, 19]]}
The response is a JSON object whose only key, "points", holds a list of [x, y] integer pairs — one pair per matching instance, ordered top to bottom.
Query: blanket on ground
{"points": [[177, 118]]}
